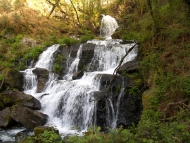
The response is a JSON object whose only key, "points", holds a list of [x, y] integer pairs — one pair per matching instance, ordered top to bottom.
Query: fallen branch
{"points": [[115, 73]]}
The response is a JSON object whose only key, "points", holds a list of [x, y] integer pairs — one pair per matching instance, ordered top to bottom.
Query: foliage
{"points": [[85, 38], [69, 41], [33, 53], [1, 77], [147, 131], [48, 136]]}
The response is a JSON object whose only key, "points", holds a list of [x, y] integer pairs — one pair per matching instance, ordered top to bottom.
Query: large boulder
{"points": [[129, 67], [42, 76], [12, 78], [15, 97], [27, 117], [5, 118]]}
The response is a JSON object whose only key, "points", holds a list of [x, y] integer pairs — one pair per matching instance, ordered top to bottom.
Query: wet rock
{"points": [[86, 55], [60, 61], [42, 75], [77, 75], [128, 89], [15, 97], [27, 117], [5, 118], [21, 136]]}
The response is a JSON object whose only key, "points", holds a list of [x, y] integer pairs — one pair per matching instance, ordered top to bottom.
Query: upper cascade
{"points": [[108, 26]]}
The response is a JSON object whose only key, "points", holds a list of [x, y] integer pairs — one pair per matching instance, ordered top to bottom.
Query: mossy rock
{"points": [[13, 78], [136, 78], [2, 106], [5, 118], [41, 129]]}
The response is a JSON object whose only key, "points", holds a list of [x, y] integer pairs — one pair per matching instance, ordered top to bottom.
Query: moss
{"points": [[58, 62], [13, 78], [136, 78], [2, 106], [40, 130]]}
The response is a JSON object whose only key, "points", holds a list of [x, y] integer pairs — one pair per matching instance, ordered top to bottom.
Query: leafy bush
{"points": [[33, 53], [148, 131], [48, 136]]}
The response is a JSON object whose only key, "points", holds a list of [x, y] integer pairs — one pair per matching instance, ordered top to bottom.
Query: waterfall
{"points": [[108, 26], [67, 101]]}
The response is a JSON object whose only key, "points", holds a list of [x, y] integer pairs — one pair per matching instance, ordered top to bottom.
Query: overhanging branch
{"points": [[115, 73]]}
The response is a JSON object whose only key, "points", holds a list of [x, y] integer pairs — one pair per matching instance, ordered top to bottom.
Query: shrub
{"points": [[48, 136]]}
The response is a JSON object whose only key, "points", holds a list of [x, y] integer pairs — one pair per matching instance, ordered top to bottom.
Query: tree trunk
{"points": [[76, 13]]}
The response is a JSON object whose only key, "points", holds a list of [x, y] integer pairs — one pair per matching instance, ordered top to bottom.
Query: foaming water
{"points": [[108, 26], [67, 102]]}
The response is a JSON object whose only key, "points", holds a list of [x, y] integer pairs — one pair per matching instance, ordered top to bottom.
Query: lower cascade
{"points": [[75, 104]]}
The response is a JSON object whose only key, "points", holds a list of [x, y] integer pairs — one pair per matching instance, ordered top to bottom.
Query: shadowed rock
{"points": [[129, 67], [42, 75], [77, 75], [15, 97], [5, 117], [27, 117]]}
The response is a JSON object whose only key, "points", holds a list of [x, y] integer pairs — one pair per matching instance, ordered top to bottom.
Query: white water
{"points": [[108, 26], [67, 102]]}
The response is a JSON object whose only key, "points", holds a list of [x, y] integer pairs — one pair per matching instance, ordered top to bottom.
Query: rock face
{"points": [[129, 67], [42, 75], [77, 75], [12, 78], [128, 85], [14, 97], [130, 106], [20, 108], [27, 117], [5, 118]]}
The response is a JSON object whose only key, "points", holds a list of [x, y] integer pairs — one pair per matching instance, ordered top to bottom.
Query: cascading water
{"points": [[108, 26], [67, 102], [71, 104]]}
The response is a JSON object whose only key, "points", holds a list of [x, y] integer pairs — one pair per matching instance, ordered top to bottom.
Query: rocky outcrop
{"points": [[87, 55], [129, 67], [77, 75], [42, 76], [12, 79], [128, 86], [15, 97], [20, 108], [5, 117], [27, 117]]}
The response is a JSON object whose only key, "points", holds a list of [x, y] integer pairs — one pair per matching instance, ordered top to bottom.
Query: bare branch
{"points": [[115, 73]]}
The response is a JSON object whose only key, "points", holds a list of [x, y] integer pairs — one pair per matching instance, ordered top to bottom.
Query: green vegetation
{"points": [[161, 27], [57, 68], [46, 136]]}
